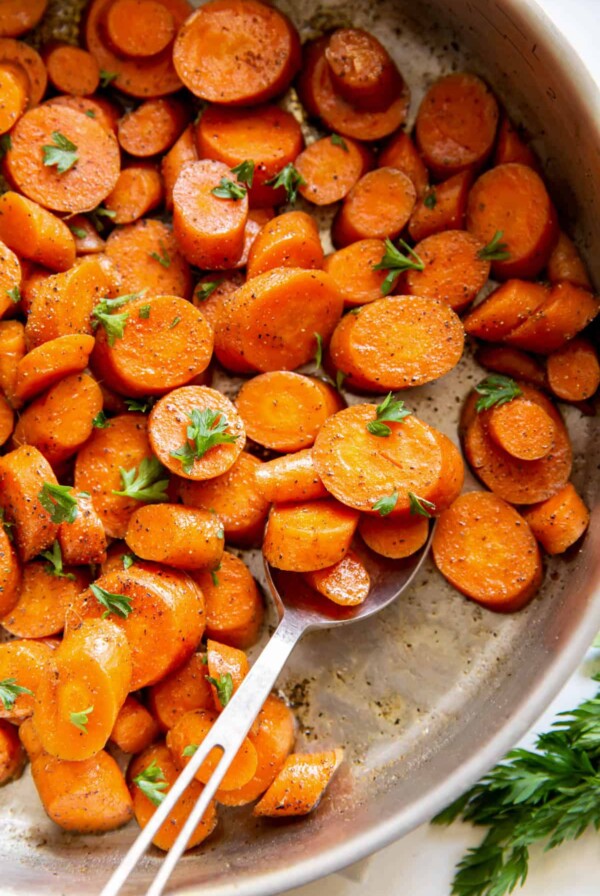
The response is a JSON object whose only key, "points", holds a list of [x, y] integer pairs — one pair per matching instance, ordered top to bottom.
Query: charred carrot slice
{"points": [[18, 18], [237, 53], [361, 69], [71, 70], [456, 124], [153, 127], [401, 153], [330, 168], [138, 190], [378, 206], [509, 206], [442, 207], [35, 233], [290, 240], [146, 256], [566, 263], [454, 270], [354, 273], [566, 310], [48, 363], [574, 371], [523, 428], [196, 432], [23, 474], [292, 477], [235, 496], [560, 521], [307, 536], [183, 537], [394, 538], [83, 540], [488, 552], [346, 583], [45, 594], [234, 608], [22, 668], [181, 691], [135, 728], [150, 775], [300, 785]]}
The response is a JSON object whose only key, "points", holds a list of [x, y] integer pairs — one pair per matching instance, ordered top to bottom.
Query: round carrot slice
{"points": [[18, 17], [154, 27], [238, 53], [24, 57], [361, 69], [72, 70], [149, 76], [13, 90], [320, 98], [100, 108], [456, 124], [152, 127], [268, 136], [511, 147], [182, 151], [400, 152], [62, 159], [330, 168], [138, 190], [512, 200], [378, 206], [442, 207], [209, 228], [35, 233], [290, 240], [134, 250], [565, 263], [352, 269], [454, 270], [10, 279], [503, 310], [566, 310], [398, 342], [161, 349], [229, 350], [51, 362], [511, 362], [573, 370], [284, 411], [7, 420], [523, 428], [218, 438], [359, 468], [23, 474], [291, 477], [235, 497], [560, 521], [183, 537], [305, 537], [394, 538], [83, 540], [487, 551], [10, 574], [346, 583], [44, 599], [234, 608], [25, 661], [181, 691], [134, 728], [300, 785]]}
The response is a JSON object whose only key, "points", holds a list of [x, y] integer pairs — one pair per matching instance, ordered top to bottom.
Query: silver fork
{"points": [[299, 610]]}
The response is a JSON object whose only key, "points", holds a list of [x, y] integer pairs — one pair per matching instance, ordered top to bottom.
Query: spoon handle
{"points": [[227, 734]]}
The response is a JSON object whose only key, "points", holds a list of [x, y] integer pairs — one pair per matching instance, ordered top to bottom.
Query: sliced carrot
{"points": [[17, 17], [153, 32], [237, 53], [24, 57], [361, 69], [71, 70], [150, 76], [13, 89], [321, 100], [106, 112], [456, 124], [153, 127], [268, 136], [510, 147], [183, 151], [401, 153], [93, 166], [330, 168], [138, 190], [512, 200], [378, 206], [442, 207], [257, 219], [35, 233], [87, 239], [290, 240], [133, 248], [566, 263], [352, 270], [454, 270], [10, 280], [32, 283], [62, 304], [511, 304], [566, 310], [267, 311], [398, 342], [228, 345], [161, 348], [512, 362], [48, 363], [574, 371], [284, 410], [172, 418], [7, 420], [60, 421], [523, 428], [122, 445], [360, 468], [23, 473], [452, 476], [292, 477], [514, 480], [235, 496], [559, 521], [183, 537], [303, 537], [394, 538], [84, 540], [487, 551], [10, 573], [346, 583], [43, 600], [234, 608], [165, 622], [224, 660], [22, 663], [89, 676], [181, 691], [135, 728], [29, 739], [273, 741], [12, 754], [158, 758], [300, 785], [88, 797]]}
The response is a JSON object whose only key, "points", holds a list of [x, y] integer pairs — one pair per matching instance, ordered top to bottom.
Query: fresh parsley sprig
{"points": [[106, 78], [339, 141], [62, 153], [244, 172], [290, 179], [229, 189], [430, 199], [97, 216], [495, 250], [162, 257], [396, 262], [204, 290], [14, 294], [104, 314], [496, 390], [140, 405], [391, 410], [100, 421], [207, 429], [148, 482], [59, 501], [386, 504], [419, 506], [54, 567], [119, 604], [224, 687], [9, 691], [81, 719], [152, 783]]}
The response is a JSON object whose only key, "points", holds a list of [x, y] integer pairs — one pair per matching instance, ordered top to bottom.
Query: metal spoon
{"points": [[299, 610]]}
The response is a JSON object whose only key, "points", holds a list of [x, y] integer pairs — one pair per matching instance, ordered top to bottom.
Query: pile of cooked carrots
{"points": [[124, 474]]}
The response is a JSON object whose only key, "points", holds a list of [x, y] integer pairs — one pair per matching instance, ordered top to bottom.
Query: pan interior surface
{"points": [[432, 691]]}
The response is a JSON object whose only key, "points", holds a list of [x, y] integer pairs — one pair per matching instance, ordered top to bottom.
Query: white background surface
{"points": [[422, 863]]}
